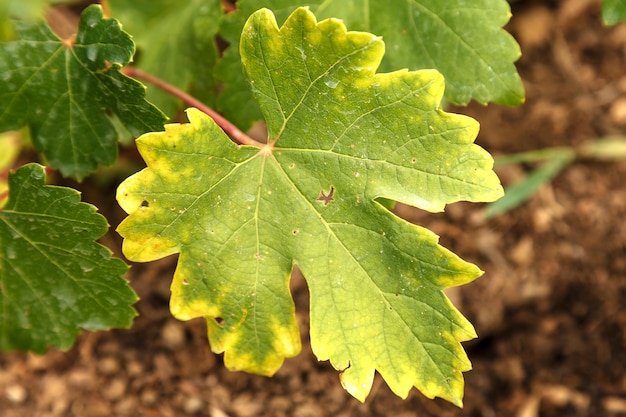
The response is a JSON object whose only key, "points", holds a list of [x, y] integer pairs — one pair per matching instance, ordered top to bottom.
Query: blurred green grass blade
{"points": [[605, 149], [537, 155], [522, 191]]}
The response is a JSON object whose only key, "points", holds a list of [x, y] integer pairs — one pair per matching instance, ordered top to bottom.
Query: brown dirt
{"points": [[550, 310]]}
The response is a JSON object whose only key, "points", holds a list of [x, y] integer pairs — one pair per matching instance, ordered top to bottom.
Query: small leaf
{"points": [[613, 11], [176, 43], [60, 89], [340, 138], [54, 278]]}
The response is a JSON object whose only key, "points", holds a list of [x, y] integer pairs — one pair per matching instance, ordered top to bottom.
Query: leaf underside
{"points": [[59, 88], [340, 137], [54, 278]]}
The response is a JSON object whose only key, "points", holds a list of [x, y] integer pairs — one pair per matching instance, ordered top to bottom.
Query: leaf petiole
{"points": [[229, 128]]}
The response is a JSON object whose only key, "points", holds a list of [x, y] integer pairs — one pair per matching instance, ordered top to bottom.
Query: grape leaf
{"points": [[613, 11], [462, 39], [176, 43], [466, 44], [61, 87], [340, 137], [54, 279]]}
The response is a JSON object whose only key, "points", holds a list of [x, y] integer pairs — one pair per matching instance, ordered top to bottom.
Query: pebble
{"points": [[617, 111], [173, 334], [109, 365], [115, 389], [17, 394], [149, 396], [193, 405], [245, 405], [614, 405], [127, 406], [308, 409], [217, 412]]}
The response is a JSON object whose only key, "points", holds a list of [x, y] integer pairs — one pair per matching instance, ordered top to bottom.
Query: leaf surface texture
{"points": [[462, 39], [59, 88], [54, 278]]}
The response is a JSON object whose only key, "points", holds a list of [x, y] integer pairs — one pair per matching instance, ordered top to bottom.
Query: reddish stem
{"points": [[228, 7], [106, 12], [230, 129]]}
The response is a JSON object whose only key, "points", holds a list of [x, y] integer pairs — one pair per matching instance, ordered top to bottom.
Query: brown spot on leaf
{"points": [[326, 198]]}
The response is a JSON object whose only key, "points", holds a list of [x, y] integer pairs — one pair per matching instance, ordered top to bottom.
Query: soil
{"points": [[550, 310]]}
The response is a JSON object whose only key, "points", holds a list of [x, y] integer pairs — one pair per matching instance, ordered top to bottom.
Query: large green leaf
{"points": [[613, 11], [462, 39], [176, 43], [60, 88], [340, 137], [54, 278]]}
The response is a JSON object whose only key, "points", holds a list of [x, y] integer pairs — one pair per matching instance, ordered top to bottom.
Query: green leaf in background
{"points": [[23, 9], [613, 11], [462, 39], [176, 42], [60, 88], [340, 137], [54, 278]]}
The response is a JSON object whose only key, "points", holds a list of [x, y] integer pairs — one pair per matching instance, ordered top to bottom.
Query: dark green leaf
{"points": [[60, 88], [54, 278]]}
